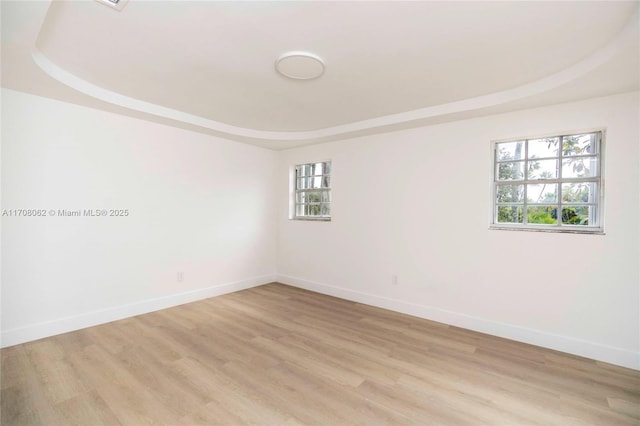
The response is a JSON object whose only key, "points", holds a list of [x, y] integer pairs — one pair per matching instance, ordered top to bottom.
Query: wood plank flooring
{"points": [[278, 355]]}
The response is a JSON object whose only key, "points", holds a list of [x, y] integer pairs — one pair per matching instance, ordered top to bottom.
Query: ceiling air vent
{"points": [[115, 4]]}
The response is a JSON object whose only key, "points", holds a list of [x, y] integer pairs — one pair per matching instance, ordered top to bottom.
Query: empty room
{"points": [[320, 213]]}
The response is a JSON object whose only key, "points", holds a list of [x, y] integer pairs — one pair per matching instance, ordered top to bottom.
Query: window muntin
{"points": [[534, 179], [312, 198]]}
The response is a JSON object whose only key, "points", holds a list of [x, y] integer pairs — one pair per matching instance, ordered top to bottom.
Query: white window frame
{"points": [[296, 190], [596, 225]]}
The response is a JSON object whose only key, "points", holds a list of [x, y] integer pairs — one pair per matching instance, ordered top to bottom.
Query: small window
{"points": [[552, 183], [312, 195]]}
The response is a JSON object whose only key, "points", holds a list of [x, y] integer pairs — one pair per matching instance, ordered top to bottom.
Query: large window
{"points": [[552, 183], [312, 197]]}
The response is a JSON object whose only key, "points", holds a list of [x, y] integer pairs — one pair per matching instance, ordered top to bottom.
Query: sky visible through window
{"points": [[537, 178], [313, 190]]}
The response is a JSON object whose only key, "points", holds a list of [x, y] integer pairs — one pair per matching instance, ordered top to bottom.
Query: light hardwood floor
{"points": [[278, 355]]}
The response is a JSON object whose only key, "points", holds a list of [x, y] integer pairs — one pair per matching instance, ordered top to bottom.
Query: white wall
{"points": [[413, 203], [416, 203], [197, 204]]}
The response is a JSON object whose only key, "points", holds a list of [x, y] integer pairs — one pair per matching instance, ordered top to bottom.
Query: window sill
{"points": [[311, 219], [563, 230]]}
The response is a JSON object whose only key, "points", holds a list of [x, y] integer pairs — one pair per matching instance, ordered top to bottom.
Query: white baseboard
{"points": [[63, 325], [609, 354]]}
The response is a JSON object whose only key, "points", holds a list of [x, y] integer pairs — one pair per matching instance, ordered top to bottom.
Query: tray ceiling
{"points": [[210, 66]]}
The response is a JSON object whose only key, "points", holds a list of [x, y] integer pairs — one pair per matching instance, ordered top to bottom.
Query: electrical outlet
{"points": [[180, 277], [394, 279]]}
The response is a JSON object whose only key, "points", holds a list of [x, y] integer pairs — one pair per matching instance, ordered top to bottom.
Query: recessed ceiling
{"points": [[209, 66]]}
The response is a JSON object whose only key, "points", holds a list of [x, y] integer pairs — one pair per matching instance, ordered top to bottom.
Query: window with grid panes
{"points": [[552, 183], [312, 198]]}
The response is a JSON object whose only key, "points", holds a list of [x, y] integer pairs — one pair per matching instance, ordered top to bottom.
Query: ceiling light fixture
{"points": [[300, 65]]}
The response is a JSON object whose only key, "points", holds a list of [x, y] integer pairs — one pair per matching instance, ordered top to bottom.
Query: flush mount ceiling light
{"points": [[300, 65]]}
